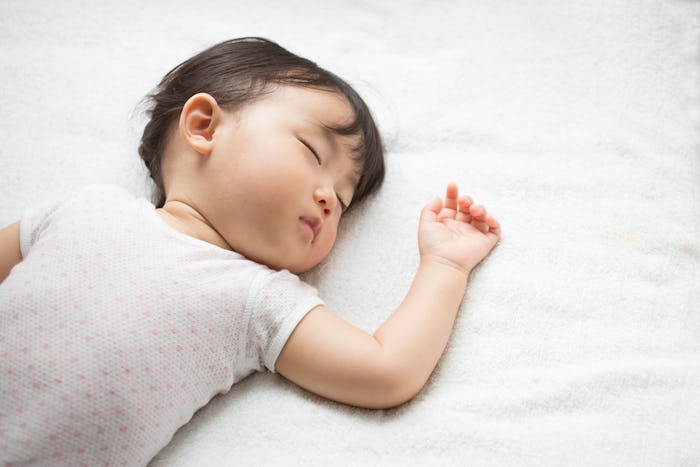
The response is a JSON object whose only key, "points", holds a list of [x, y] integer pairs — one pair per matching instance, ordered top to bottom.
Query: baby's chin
{"points": [[296, 267], [301, 269]]}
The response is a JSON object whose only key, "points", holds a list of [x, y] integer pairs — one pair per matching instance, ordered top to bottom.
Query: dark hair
{"points": [[237, 71]]}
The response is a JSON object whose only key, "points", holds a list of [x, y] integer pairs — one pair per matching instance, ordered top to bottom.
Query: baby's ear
{"points": [[199, 117]]}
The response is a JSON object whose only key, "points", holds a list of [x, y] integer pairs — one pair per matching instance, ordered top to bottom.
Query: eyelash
{"points": [[312, 150], [343, 206]]}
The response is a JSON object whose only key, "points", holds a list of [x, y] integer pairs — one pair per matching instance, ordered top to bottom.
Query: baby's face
{"points": [[280, 179]]}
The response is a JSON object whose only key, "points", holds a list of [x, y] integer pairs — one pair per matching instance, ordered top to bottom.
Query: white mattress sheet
{"points": [[575, 122]]}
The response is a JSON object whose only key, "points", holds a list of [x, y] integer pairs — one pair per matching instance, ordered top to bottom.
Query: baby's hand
{"points": [[456, 232]]}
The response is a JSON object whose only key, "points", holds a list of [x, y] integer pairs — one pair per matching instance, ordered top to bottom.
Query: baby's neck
{"points": [[185, 219]]}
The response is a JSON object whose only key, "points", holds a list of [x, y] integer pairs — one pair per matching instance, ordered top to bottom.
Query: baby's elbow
{"points": [[398, 388]]}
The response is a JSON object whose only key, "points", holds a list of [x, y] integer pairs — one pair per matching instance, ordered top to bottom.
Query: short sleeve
{"points": [[38, 219], [33, 223], [280, 303]]}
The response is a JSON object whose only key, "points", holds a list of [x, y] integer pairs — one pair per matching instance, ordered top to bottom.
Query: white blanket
{"points": [[576, 123]]}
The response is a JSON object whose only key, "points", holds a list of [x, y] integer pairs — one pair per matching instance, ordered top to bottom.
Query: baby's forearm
{"points": [[415, 335], [334, 359]]}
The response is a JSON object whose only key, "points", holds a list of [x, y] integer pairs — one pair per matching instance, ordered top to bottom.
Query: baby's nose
{"points": [[326, 198]]}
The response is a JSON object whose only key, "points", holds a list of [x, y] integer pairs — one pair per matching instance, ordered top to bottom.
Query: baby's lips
{"points": [[314, 223]]}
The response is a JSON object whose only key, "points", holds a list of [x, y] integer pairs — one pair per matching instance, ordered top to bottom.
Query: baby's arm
{"points": [[9, 249], [331, 358]]}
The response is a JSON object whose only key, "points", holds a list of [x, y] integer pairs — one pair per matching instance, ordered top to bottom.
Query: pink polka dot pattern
{"points": [[115, 329]]}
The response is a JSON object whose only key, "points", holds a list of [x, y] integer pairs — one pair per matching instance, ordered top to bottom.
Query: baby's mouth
{"points": [[313, 224]]}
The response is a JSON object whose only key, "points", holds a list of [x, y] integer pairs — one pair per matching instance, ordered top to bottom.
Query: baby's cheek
{"points": [[333, 235], [324, 245]]}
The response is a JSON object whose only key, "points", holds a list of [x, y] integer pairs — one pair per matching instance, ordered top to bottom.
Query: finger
{"points": [[451, 196], [464, 203], [432, 209], [477, 211], [493, 224], [481, 226]]}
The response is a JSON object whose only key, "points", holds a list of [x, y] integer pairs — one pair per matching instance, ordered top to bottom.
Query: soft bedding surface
{"points": [[575, 122]]}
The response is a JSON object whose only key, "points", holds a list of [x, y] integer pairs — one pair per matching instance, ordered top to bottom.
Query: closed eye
{"points": [[312, 150], [343, 206]]}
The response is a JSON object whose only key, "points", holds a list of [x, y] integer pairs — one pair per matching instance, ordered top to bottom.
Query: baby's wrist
{"points": [[443, 263]]}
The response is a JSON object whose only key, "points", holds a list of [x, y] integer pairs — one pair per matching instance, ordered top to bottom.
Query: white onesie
{"points": [[115, 329]]}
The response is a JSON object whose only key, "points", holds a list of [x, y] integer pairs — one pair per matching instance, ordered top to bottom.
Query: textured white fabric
{"points": [[576, 122], [116, 329]]}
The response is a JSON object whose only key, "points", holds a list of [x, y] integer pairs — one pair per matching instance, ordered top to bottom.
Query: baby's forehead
{"points": [[328, 106]]}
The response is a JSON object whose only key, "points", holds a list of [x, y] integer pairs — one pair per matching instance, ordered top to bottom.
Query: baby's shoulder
{"points": [[103, 191], [93, 194], [269, 281]]}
